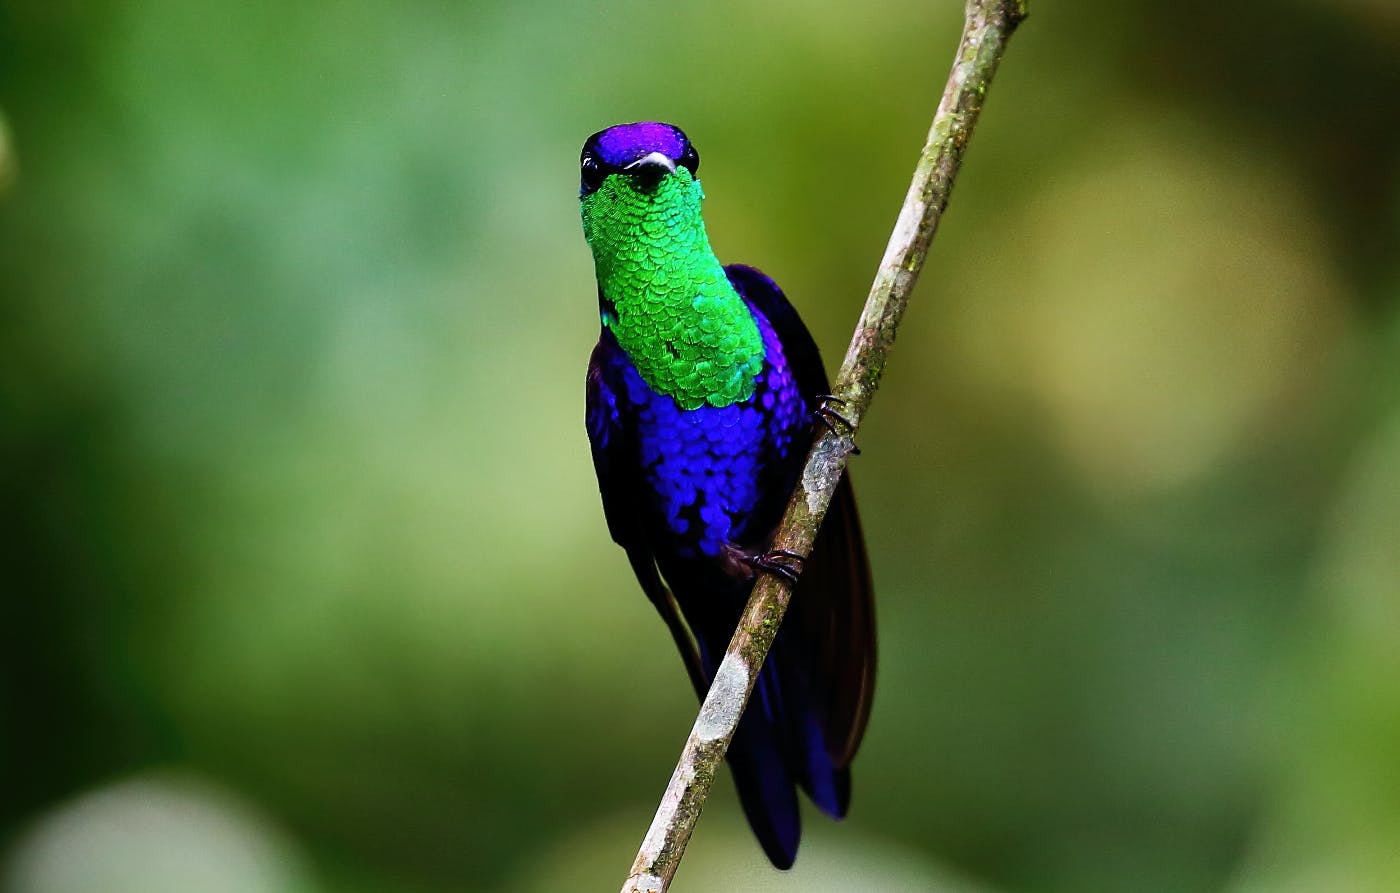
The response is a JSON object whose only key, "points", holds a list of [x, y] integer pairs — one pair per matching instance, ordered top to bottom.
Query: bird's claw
{"points": [[828, 417], [781, 563]]}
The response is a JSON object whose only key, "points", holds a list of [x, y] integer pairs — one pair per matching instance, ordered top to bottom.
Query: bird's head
{"points": [[639, 158], [637, 183]]}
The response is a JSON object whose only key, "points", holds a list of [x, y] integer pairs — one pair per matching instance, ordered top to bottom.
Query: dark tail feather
{"points": [[821, 671], [779, 746], [828, 785], [765, 786]]}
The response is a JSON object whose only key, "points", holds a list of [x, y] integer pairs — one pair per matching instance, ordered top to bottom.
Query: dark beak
{"points": [[648, 170]]}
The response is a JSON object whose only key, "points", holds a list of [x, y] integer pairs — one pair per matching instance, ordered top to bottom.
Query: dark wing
{"points": [[616, 461], [834, 603], [845, 620]]}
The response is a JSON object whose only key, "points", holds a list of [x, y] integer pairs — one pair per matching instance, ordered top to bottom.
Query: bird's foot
{"points": [[829, 417], [779, 562]]}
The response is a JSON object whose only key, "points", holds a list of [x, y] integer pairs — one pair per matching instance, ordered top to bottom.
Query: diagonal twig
{"points": [[986, 29]]}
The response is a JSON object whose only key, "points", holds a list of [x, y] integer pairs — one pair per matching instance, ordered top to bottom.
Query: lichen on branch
{"points": [[987, 26]]}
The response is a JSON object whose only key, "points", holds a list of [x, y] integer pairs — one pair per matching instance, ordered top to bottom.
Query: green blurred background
{"points": [[307, 585]]}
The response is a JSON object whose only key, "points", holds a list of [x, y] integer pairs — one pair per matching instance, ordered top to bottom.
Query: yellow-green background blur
{"points": [[307, 587]]}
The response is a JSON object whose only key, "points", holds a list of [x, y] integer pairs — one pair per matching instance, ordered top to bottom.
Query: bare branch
{"points": [[988, 25]]}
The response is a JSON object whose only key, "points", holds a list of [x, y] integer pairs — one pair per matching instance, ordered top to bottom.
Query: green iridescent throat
{"points": [[672, 309]]}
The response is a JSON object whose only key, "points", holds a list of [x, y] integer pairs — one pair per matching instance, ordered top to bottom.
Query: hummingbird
{"points": [[702, 394]]}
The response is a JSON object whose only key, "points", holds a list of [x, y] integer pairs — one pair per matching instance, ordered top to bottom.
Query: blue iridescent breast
{"points": [[712, 472]]}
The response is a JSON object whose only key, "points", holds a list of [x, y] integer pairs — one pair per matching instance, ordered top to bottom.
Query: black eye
{"points": [[690, 160], [591, 174]]}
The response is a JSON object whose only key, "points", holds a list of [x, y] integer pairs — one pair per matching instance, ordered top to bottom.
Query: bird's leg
{"points": [[828, 417], [779, 562], [740, 563]]}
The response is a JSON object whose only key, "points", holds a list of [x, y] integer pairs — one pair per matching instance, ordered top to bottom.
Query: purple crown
{"points": [[625, 143]]}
